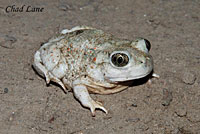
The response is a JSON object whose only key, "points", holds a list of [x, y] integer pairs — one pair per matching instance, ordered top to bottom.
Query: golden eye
{"points": [[119, 59]]}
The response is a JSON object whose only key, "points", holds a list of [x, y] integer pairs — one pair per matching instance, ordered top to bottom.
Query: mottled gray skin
{"points": [[84, 50], [80, 59]]}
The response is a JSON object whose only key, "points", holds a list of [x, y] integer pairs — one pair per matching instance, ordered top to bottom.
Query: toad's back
{"points": [[81, 48], [87, 59]]}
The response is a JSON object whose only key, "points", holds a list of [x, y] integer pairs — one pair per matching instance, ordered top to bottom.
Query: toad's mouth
{"points": [[128, 78]]}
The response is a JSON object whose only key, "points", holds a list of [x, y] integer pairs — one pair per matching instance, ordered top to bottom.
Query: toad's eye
{"points": [[119, 59]]}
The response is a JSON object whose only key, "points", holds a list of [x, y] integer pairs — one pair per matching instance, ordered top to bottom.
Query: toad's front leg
{"points": [[81, 93]]}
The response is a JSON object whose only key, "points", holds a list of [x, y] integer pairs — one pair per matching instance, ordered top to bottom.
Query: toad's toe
{"points": [[96, 105]]}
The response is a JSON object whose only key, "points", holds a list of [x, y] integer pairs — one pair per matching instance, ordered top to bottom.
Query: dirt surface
{"points": [[169, 105]]}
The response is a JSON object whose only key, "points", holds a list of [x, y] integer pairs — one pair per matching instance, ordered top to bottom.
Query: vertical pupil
{"points": [[119, 60]]}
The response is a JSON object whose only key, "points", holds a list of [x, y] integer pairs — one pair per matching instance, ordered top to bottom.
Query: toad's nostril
{"points": [[141, 61]]}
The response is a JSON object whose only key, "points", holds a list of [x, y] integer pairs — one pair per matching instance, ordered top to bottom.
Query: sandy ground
{"points": [[169, 105]]}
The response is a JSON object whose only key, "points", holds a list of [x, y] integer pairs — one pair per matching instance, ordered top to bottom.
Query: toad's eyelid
{"points": [[115, 58]]}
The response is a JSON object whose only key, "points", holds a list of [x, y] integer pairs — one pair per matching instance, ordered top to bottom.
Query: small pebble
{"points": [[64, 7], [10, 38], [7, 41], [31, 78], [189, 78], [5, 90], [167, 97], [134, 105], [181, 111], [107, 117], [133, 119], [51, 120], [184, 131]]}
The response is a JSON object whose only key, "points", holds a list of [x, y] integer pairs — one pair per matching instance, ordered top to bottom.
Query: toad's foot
{"points": [[41, 69], [155, 76], [58, 81], [81, 93]]}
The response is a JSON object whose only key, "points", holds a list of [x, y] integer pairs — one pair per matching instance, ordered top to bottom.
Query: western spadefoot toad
{"points": [[86, 59]]}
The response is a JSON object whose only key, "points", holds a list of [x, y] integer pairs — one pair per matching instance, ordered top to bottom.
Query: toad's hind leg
{"points": [[41, 69], [81, 93]]}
